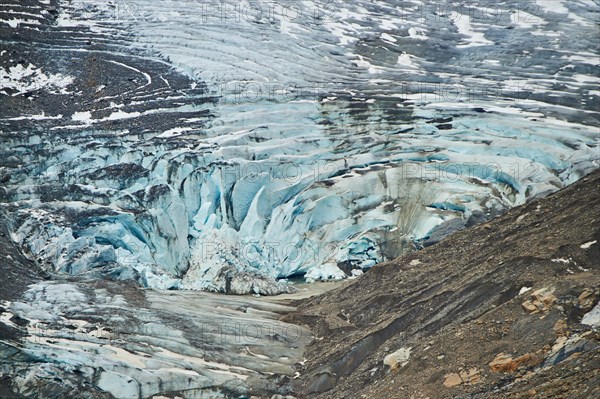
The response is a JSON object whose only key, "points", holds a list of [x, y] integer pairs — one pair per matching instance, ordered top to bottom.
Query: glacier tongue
{"points": [[282, 146]]}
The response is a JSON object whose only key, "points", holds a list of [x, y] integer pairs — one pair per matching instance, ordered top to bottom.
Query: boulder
{"points": [[587, 299], [541, 300], [560, 328], [397, 359], [507, 364], [452, 380]]}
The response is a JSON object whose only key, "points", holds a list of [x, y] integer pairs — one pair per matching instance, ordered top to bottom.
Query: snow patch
{"points": [[555, 6], [15, 22], [465, 28], [417, 33], [388, 38], [591, 59], [406, 60], [28, 79], [122, 115], [84, 116], [177, 131], [588, 244], [524, 290]]}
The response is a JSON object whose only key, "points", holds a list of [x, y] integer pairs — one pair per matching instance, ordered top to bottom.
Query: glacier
{"points": [[187, 146]]}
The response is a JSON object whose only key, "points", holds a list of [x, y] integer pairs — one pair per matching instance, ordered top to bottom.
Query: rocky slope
{"points": [[507, 309]]}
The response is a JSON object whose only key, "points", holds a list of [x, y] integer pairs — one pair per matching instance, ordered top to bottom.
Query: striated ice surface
{"points": [[223, 149], [79, 337]]}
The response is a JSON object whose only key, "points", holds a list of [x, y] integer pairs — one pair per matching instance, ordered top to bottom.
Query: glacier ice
{"points": [[281, 147]]}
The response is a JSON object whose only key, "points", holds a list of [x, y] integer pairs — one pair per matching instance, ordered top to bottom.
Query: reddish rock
{"points": [[560, 328], [506, 364], [452, 380]]}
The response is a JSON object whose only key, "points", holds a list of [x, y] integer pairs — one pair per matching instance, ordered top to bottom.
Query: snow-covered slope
{"points": [[186, 145]]}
